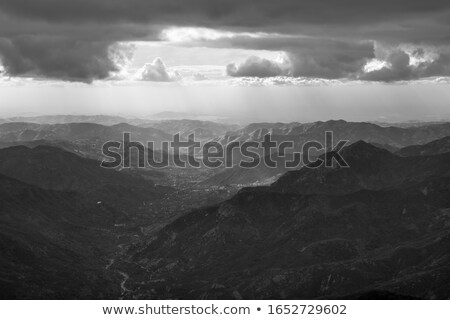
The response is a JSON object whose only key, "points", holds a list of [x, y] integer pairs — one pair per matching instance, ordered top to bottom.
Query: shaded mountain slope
{"points": [[435, 147], [83, 150], [370, 168], [55, 169], [53, 244], [269, 245]]}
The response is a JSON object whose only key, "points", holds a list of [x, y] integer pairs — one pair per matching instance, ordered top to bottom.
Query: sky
{"points": [[247, 60]]}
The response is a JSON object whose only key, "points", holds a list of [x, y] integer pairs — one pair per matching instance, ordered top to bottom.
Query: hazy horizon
{"points": [[351, 102]]}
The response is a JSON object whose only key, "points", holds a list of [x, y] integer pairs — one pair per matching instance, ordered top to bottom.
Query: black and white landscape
{"points": [[76, 76], [378, 229]]}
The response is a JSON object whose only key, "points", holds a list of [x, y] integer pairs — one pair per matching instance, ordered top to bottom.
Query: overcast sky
{"points": [[257, 59]]}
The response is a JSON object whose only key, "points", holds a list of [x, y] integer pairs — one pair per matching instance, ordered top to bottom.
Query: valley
{"points": [[378, 228]]}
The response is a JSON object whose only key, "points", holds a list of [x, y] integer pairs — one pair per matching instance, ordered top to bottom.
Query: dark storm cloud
{"points": [[225, 12], [79, 34], [68, 51], [306, 57], [58, 58], [329, 59], [333, 59], [439, 67], [400, 68]]}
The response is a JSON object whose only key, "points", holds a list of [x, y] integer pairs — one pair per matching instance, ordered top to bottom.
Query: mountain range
{"points": [[61, 119], [202, 130], [342, 130], [84, 133], [389, 138], [369, 168], [379, 228], [384, 237]]}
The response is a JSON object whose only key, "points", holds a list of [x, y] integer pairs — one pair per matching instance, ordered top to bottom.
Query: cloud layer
{"points": [[232, 13], [77, 40], [337, 59]]}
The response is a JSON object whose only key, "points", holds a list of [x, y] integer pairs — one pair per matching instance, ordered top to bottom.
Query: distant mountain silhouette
{"points": [[172, 115], [58, 119], [408, 124], [202, 129], [352, 131], [368, 132], [80, 133]]}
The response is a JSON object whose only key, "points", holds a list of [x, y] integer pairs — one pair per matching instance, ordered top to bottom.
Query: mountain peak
{"points": [[122, 125], [363, 146], [363, 151], [370, 167]]}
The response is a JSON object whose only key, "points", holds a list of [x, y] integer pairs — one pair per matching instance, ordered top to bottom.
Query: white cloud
{"points": [[192, 34], [375, 64], [156, 71], [199, 76]]}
